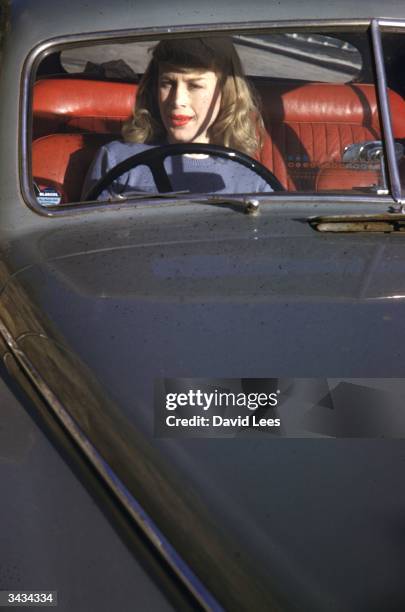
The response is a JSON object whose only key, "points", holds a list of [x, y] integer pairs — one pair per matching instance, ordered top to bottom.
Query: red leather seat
{"points": [[75, 105], [73, 118], [311, 124], [308, 127], [61, 161]]}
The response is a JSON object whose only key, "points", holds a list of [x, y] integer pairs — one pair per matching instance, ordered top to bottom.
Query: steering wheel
{"points": [[154, 158]]}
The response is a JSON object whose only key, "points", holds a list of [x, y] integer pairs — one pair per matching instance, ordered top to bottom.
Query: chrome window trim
{"points": [[391, 24], [51, 45], [386, 127], [286, 198]]}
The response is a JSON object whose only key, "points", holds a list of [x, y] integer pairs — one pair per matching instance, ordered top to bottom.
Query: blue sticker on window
{"points": [[48, 197]]}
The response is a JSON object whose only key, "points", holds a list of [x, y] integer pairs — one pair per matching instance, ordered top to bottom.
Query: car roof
{"points": [[43, 19]]}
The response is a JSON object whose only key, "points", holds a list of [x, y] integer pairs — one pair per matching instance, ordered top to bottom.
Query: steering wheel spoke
{"points": [[160, 175]]}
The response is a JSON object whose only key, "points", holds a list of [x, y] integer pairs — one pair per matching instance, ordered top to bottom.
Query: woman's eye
{"points": [[194, 86]]}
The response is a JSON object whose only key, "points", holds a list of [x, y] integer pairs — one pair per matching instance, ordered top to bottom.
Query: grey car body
{"points": [[97, 303]]}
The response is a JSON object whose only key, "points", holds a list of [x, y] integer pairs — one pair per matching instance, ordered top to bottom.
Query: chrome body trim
{"points": [[391, 24], [109, 477]]}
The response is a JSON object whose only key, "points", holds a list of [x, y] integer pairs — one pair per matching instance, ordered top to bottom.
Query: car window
{"points": [[394, 55], [308, 57], [314, 91]]}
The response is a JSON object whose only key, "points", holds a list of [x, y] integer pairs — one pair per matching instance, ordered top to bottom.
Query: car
{"points": [[201, 393]]}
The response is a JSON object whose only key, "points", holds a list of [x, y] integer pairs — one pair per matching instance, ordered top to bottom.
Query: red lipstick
{"points": [[178, 120]]}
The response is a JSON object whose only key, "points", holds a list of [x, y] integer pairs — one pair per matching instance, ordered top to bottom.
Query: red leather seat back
{"points": [[75, 105]]}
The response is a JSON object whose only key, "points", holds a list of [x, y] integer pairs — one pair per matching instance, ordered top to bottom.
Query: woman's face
{"points": [[189, 102]]}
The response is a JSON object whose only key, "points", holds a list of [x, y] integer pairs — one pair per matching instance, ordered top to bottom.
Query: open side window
{"points": [[393, 43], [318, 103]]}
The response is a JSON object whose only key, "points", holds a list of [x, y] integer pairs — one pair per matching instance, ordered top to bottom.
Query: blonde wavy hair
{"points": [[239, 123]]}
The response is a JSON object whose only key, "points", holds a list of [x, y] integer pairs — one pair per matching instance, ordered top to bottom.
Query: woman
{"points": [[193, 91]]}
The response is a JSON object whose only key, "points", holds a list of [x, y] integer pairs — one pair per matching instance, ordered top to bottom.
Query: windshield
{"points": [[301, 106]]}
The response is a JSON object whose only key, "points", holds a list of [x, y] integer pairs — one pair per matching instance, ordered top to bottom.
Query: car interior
{"points": [[308, 126]]}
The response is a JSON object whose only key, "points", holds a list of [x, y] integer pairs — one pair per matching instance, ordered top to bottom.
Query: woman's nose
{"points": [[180, 95]]}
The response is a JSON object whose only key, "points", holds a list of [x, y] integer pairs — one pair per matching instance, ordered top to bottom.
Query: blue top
{"points": [[199, 175]]}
